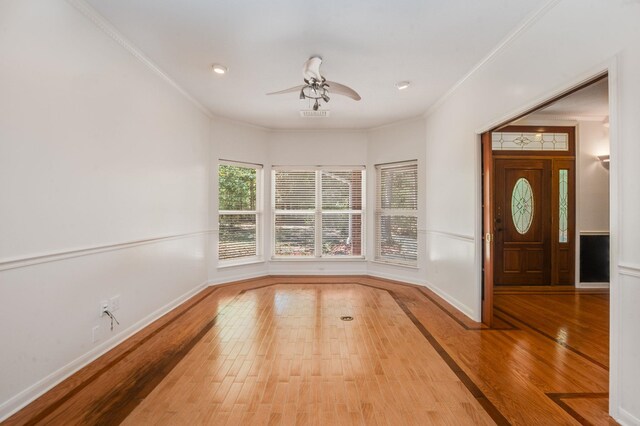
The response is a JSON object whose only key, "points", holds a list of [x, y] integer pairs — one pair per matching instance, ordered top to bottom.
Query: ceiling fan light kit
{"points": [[316, 87]]}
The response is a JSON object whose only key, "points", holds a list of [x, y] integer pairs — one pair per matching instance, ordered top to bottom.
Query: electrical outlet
{"points": [[115, 303], [104, 306], [95, 334]]}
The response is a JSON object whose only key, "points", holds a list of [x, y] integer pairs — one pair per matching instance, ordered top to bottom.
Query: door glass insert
{"points": [[524, 141], [522, 205], [564, 205]]}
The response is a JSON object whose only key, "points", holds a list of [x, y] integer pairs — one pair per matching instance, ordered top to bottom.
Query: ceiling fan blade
{"points": [[311, 69], [341, 89], [289, 90]]}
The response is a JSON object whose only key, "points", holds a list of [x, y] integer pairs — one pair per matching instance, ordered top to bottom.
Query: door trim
{"points": [[487, 229]]}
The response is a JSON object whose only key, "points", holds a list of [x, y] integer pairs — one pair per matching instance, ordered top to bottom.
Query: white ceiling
{"points": [[368, 45], [590, 103]]}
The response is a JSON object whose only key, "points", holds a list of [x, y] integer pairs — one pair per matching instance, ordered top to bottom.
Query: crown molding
{"points": [[525, 24], [106, 27], [406, 121]]}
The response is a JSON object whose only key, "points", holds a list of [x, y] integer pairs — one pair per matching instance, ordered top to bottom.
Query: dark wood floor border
{"points": [[558, 341], [477, 393], [558, 399], [114, 408]]}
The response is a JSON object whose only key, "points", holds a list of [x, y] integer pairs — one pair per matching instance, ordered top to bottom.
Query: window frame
{"points": [[318, 211], [258, 212], [379, 212]]}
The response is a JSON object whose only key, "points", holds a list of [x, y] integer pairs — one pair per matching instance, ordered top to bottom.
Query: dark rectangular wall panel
{"points": [[594, 258]]}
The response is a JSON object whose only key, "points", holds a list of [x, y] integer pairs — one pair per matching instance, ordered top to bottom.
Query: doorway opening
{"points": [[546, 195], [545, 208]]}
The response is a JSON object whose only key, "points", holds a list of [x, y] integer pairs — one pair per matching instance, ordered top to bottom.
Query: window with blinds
{"points": [[239, 211], [318, 212], [397, 213]]}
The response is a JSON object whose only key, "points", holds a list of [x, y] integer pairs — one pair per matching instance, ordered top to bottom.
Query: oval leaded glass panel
{"points": [[522, 205]]}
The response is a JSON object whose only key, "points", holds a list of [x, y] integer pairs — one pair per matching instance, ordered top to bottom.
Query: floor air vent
{"points": [[309, 113]]}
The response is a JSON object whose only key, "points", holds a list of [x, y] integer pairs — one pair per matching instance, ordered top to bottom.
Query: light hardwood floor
{"points": [[275, 351]]}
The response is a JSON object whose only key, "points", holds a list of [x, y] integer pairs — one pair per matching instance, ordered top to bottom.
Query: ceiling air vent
{"points": [[309, 113]]}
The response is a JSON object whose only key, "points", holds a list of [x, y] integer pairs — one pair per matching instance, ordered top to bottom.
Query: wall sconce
{"points": [[605, 122], [604, 160]]}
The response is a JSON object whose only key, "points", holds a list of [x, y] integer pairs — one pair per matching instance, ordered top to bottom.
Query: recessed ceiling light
{"points": [[219, 69], [401, 85]]}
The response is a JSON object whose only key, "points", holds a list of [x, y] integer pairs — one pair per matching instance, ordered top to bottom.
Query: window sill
{"points": [[318, 259], [239, 262], [400, 265]]}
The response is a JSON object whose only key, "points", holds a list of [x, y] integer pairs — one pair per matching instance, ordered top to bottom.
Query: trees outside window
{"points": [[239, 211], [318, 212]]}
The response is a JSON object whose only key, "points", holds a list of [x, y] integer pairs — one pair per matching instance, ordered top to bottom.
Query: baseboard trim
{"points": [[285, 272], [236, 278], [398, 278], [592, 285], [450, 300], [453, 301], [30, 394], [626, 418]]}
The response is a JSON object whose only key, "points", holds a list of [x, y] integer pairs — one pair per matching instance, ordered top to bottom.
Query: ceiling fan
{"points": [[316, 87]]}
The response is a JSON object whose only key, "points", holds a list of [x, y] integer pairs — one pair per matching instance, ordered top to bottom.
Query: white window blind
{"points": [[239, 211], [318, 212], [397, 213]]}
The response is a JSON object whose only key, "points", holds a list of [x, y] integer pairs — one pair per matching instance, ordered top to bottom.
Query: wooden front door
{"points": [[522, 216]]}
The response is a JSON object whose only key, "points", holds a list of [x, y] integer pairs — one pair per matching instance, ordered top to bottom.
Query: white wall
{"points": [[570, 41], [237, 142], [399, 142], [104, 170], [593, 208]]}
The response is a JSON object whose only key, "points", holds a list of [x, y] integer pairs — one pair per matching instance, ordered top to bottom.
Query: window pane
{"points": [[519, 141], [398, 187], [236, 188], [295, 190], [342, 190], [522, 203], [564, 206], [396, 214], [295, 234], [342, 234], [237, 236], [398, 237]]}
